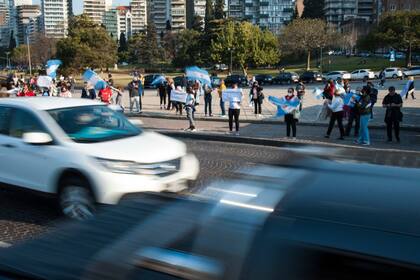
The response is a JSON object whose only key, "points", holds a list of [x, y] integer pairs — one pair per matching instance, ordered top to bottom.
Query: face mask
{"points": [[289, 93]]}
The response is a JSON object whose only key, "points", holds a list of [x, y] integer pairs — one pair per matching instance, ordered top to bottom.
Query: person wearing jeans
{"points": [[133, 89], [257, 97], [207, 100], [222, 102], [336, 107], [189, 108], [364, 108], [234, 112], [393, 116], [289, 118]]}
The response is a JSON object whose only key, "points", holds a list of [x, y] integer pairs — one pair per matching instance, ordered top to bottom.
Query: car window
{"points": [[389, 70], [355, 72], [5, 113], [22, 122]]}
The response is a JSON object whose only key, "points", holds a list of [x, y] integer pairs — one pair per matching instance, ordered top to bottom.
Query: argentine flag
{"points": [[52, 66], [196, 73], [92, 78], [159, 80], [406, 87], [340, 88], [317, 93], [348, 99], [284, 106]]}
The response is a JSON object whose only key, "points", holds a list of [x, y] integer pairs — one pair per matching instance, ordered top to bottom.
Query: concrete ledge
{"points": [[259, 121]]}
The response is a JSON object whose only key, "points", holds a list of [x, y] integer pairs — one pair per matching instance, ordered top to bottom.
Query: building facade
{"points": [[400, 5], [195, 8], [96, 9], [236, 9], [168, 12], [339, 12], [139, 15], [178, 15], [55, 16], [119, 20], [27, 23], [4, 24]]}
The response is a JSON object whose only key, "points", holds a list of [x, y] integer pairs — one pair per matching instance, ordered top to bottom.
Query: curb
{"points": [[261, 121], [271, 142]]}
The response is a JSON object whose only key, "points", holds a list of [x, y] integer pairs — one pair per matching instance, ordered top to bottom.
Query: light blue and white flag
{"points": [[52, 66], [196, 73], [92, 78], [158, 80], [406, 87], [340, 88], [318, 93], [351, 98], [284, 106]]}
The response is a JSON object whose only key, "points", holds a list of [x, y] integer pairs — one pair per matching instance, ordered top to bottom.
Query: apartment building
{"points": [[96, 9], [138, 15], [55, 16], [119, 20], [27, 22]]}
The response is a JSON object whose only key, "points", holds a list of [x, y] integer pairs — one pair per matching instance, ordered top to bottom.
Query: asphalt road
{"points": [[24, 215]]}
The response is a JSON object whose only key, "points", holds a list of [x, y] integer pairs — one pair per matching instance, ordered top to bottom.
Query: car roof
{"points": [[48, 103]]}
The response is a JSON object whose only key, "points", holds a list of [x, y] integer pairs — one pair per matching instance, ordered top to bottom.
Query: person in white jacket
{"points": [[336, 106]]}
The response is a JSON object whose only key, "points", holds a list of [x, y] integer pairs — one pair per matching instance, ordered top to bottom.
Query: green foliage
{"points": [[219, 7], [313, 9], [209, 13], [197, 23], [87, 45], [123, 47], [188, 47], [144, 48], [19, 55]]}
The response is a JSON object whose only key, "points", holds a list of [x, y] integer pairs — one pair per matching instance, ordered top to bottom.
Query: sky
{"points": [[78, 4]]}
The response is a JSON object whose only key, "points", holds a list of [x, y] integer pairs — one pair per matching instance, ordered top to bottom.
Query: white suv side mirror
{"points": [[37, 138]]}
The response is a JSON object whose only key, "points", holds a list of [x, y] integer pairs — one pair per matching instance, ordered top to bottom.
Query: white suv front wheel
{"points": [[75, 200]]}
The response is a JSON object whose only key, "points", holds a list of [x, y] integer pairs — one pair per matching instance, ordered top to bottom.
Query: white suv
{"points": [[412, 71], [394, 73], [362, 74], [86, 153]]}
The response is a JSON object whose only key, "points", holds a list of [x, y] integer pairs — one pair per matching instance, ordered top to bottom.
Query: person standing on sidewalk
{"points": [[169, 87], [411, 89], [133, 90], [329, 90], [300, 91], [373, 93], [162, 95], [257, 96], [207, 100], [222, 103], [336, 107], [190, 108], [364, 109], [234, 112], [354, 116], [393, 116], [290, 119]]}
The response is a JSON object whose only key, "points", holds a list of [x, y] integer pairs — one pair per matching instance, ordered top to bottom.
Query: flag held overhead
{"points": [[94, 79]]}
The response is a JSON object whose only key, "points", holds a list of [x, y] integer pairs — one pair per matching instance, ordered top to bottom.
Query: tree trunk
{"points": [[409, 54], [308, 64]]}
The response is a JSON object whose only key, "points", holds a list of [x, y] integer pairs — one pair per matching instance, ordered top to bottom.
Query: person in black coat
{"points": [[393, 116]]}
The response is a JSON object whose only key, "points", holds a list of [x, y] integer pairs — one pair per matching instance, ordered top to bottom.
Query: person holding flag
{"points": [[411, 88], [134, 89], [336, 106], [234, 111], [290, 118]]}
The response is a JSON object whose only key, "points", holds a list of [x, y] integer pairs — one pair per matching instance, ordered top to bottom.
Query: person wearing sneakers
{"points": [[336, 106], [190, 108], [364, 109], [234, 112], [291, 118]]}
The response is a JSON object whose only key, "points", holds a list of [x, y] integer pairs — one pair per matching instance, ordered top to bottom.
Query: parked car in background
{"points": [[221, 67], [412, 71], [394, 73], [362, 74], [343, 75], [311, 77], [286, 78], [148, 79], [264, 79], [241, 80]]}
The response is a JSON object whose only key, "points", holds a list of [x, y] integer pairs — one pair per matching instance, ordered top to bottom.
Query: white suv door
{"points": [[6, 146], [27, 165]]}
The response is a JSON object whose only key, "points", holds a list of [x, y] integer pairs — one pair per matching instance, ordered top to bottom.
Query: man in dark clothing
{"points": [[373, 93], [393, 103]]}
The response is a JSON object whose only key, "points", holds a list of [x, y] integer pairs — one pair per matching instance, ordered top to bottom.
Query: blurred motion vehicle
{"points": [[412, 71], [394, 73], [362, 74], [335, 75], [311, 77], [286, 78], [264, 79], [148, 80], [241, 80], [86, 153], [307, 219]]}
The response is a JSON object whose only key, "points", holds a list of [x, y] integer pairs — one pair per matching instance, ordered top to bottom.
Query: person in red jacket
{"points": [[329, 90], [26, 91], [105, 95]]}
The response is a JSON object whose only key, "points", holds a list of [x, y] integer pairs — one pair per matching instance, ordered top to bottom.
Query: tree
{"points": [[219, 9], [313, 9], [209, 13], [295, 13], [197, 23], [168, 25], [398, 30], [305, 36], [12, 41], [169, 42], [122, 43], [87, 45], [143, 48], [42, 49], [187, 51], [19, 55]]}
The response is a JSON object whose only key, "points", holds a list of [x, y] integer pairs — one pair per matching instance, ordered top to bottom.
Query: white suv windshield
{"points": [[89, 124]]}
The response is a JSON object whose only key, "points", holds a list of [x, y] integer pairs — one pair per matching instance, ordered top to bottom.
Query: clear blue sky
{"points": [[78, 4]]}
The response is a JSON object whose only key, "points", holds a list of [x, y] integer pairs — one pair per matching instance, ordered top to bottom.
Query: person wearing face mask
{"points": [[64, 92], [336, 106], [364, 108], [234, 112], [353, 115], [291, 118]]}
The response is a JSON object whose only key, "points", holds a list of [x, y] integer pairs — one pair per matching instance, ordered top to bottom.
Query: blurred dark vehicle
{"points": [[311, 77], [286, 78], [148, 79], [264, 79], [241, 80], [311, 219]]}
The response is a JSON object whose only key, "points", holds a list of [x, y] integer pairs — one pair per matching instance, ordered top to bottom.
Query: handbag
{"points": [[296, 114]]}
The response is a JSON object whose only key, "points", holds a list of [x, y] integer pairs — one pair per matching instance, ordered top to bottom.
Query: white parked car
{"points": [[412, 71], [394, 73], [362, 74], [343, 75], [86, 153]]}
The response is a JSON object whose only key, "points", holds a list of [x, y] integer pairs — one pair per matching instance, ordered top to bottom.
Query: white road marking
{"points": [[4, 244]]}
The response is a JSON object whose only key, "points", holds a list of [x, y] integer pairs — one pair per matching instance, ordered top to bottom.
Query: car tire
{"points": [[394, 76], [365, 79], [75, 199]]}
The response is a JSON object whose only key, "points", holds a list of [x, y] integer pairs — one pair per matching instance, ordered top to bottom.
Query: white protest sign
{"points": [[44, 81], [232, 95], [178, 96]]}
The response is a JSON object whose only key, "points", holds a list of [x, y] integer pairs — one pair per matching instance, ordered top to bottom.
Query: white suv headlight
{"points": [[130, 167]]}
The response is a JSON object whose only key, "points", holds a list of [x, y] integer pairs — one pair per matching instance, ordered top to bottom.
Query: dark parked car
{"points": [[311, 77], [286, 78], [148, 79], [264, 79], [241, 80], [307, 219]]}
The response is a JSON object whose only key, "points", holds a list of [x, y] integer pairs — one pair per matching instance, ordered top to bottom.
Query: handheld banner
{"points": [[44, 81], [232, 95], [178, 96]]}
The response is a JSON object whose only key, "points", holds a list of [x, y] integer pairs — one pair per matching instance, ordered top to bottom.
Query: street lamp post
{"points": [[29, 48], [7, 60], [231, 60]]}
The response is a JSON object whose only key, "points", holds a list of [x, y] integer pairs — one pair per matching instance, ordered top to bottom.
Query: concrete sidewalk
{"points": [[410, 140]]}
